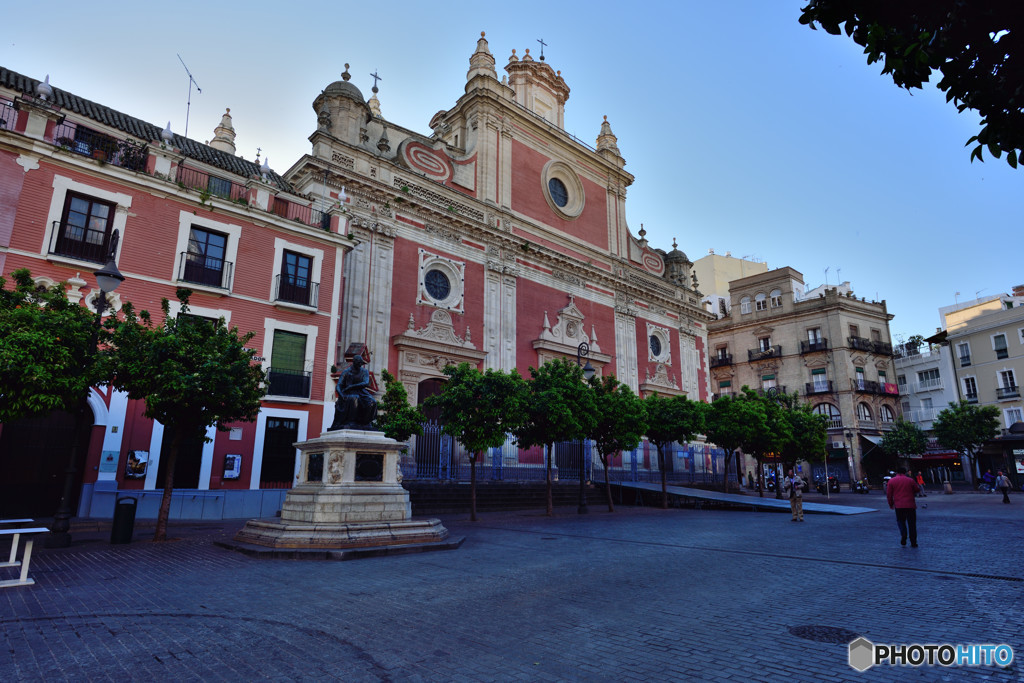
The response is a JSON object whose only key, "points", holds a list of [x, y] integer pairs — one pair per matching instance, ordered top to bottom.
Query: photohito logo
{"points": [[864, 654]]}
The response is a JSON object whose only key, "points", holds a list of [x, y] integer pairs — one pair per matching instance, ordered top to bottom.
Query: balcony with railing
{"points": [[8, 114], [87, 142], [195, 179], [306, 215], [78, 242], [199, 269], [298, 291], [860, 343], [812, 346], [881, 348], [761, 354], [720, 360], [965, 360], [292, 383], [929, 385], [864, 386], [811, 388], [1003, 393], [723, 394], [971, 398], [922, 414], [835, 423]]}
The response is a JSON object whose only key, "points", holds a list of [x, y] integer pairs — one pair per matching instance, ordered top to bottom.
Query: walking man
{"points": [[1003, 484], [795, 487], [900, 492]]}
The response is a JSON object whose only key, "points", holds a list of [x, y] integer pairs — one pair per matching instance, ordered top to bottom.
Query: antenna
{"points": [[191, 82], [826, 275]]}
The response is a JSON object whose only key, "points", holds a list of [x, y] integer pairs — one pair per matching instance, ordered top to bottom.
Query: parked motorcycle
{"points": [[833, 485], [861, 486]]}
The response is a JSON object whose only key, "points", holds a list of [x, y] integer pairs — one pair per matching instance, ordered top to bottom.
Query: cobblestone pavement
{"points": [[637, 595]]}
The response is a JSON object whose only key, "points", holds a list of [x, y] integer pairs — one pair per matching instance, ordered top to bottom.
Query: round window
{"points": [[559, 194], [437, 284], [655, 346]]}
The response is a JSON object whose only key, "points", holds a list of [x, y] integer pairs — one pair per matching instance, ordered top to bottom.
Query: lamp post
{"points": [[108, 278], [582, 351], [849, 456]]}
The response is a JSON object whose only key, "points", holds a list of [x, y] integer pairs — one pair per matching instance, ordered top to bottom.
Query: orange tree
{"points": [[671, 419], [621, 422]]}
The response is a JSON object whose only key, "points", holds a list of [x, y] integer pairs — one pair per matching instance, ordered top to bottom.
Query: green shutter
{"points": [[289, 351], [820, 371], [764, 377], [725, 384]]}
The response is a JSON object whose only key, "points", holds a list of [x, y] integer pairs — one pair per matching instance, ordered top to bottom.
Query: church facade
{"points": [[496, 239]]}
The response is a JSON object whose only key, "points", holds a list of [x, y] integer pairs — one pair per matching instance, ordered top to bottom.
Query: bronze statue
{"points": [[355, 406]]}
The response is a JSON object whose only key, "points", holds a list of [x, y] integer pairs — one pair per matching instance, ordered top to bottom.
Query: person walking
{"points": [[920, 482], [1003, 484], [795, 487], [900, 493]]}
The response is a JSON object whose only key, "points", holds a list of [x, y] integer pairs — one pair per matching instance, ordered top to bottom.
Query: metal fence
{"points": [[437, 456]]}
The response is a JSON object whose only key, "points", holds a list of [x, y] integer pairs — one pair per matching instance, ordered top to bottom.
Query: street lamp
{"points": [[108, 278], [582, 351], [849, 456]]}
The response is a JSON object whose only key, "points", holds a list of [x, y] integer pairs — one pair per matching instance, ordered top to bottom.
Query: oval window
{"points": [[559, 194], [437, 284], [655, 346]]}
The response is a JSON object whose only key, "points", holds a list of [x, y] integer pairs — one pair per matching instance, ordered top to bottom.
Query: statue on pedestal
{"points": [[355, 406]]}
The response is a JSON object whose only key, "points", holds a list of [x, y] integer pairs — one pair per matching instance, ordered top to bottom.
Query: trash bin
{"points": [[124, 520]]}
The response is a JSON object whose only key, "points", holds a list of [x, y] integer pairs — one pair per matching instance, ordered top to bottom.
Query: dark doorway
{"points": [[430, 444], [568, 455], [34, 456], [186, 468], [278, 469]]}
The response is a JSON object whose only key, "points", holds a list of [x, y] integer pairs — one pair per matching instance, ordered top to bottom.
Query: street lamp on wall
{"points": [[108, 278], [582, 351]]}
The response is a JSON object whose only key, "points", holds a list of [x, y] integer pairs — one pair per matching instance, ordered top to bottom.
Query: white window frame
{"points": [[61, 186], [186, 221], [281, 246], [456, 273], [776, 298], [760, 302], [745, 305], [311, 332], [814, 335], [664, 337], [762, 345], [1006, 345], [960, 352], [1013, 377], [967, 381], [862, 410], [886, 414], [1008, 420], [261, 434]]}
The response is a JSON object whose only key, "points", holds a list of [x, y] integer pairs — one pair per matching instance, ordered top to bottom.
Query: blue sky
{"points": [[746, 131]]}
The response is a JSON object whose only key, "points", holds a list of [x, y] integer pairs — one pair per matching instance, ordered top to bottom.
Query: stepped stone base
{"points": [[349, 496]]}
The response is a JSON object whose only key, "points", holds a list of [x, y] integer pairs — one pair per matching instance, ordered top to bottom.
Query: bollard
{"points": [[947, 487]]}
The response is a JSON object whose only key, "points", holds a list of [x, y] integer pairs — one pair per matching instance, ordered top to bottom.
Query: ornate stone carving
{"points": [[566, 277], [568, 328], [439, 329], [661, 378]]}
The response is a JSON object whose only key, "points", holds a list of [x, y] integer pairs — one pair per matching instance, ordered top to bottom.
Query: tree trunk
{"points": [[725, 477], [760, 478], [664, 479], [607, 483], [472, 487], [550, 496], [165, 500]]}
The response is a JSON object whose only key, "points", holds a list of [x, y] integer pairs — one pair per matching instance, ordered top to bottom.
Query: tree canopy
{"points": [[977, 47], [47, 349], [191, 372], [395, 417], [668, 420], [621, 422], [730, 423], [965, 427], [905, 438]]}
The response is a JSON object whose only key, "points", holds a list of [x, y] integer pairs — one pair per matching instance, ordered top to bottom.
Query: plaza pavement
{"points": [[638, 595]]}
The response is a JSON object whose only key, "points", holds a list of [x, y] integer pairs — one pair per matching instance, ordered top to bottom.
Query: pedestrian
{"points": [[988, 481], [920, 482], [1003, 484], [795, 487], [900, 493]]}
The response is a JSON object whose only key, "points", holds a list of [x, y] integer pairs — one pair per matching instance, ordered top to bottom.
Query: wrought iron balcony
{"points": [[90, 143], [204, 182], [301, 213], [77, 242], [200, 269], [296, 290], [861, 343], [812, 346], [882, 348], [759, 354], [720, 360], [965, 360], [292, 383], [864, 386], [811, 388], [1007, 392], [971, 398]]}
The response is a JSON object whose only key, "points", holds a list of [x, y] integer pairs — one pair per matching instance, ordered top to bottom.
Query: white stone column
{"points": [[505, 173], [378, 336], [625, 348]]}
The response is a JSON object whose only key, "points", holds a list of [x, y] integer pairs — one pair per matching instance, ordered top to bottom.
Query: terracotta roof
{"points": [[138, 128]]}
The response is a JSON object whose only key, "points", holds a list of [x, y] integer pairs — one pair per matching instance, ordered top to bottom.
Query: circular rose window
{"points": [[437, 284]]}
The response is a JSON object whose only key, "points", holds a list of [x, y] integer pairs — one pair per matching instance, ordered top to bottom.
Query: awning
{"points": [[877, 440]]}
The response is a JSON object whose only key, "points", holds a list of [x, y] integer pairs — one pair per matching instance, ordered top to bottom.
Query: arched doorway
{"points": [[433, 449], [34, 458]]}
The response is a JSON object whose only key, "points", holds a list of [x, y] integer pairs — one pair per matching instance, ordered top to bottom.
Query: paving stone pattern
{"points": [[638, 595]]}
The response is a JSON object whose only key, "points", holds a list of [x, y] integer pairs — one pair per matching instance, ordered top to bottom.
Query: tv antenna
{"points": [[191, 82]]}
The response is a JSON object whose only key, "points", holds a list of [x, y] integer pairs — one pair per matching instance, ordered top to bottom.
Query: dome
{"points": [[344, 89], [676, 256]]}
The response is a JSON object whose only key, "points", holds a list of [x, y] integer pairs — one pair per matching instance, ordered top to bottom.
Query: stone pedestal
{"points": [[349, 496]]}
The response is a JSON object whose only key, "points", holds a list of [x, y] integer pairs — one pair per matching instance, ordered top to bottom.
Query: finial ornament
{"points": [[542, 46], [345, 75], [375, 78]]}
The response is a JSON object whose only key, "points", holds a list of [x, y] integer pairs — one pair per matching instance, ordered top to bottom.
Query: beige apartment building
{"points": [[827, 345]]}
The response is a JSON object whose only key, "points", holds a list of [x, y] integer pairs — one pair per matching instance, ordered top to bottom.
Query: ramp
{"points": [[742, 501]]}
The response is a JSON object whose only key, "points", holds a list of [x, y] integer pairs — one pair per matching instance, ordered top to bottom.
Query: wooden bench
{"points": [[26, 559]]}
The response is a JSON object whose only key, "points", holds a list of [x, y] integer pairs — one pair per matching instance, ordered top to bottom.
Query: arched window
{"points": [[776, 298], [760, 301], [745, 305], [864, 412], [886, 414], [835, 420]]}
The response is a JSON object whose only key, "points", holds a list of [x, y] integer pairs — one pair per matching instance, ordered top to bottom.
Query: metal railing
{"points": [[8, 114], [87, 142], [215, 185], [306, 215], [77, 242], [200, 269], [296, 290], [860, 343], [812, 346], [760, 354], [720, 360], [965, 360], [294, 383], [928, 385], [865, 386], [811, 388], [1007, 392], [723, 394], [971, 398]]}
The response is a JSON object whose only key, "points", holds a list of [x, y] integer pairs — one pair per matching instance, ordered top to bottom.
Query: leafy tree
{"points": [[977, 47], [47, 350], [192, 373], [559, 407], [480, 410], [395, 417], [671, 419], [621, 422], [729, 424], [965, 427], [769, 430], [808, 432], [905, 438]]}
